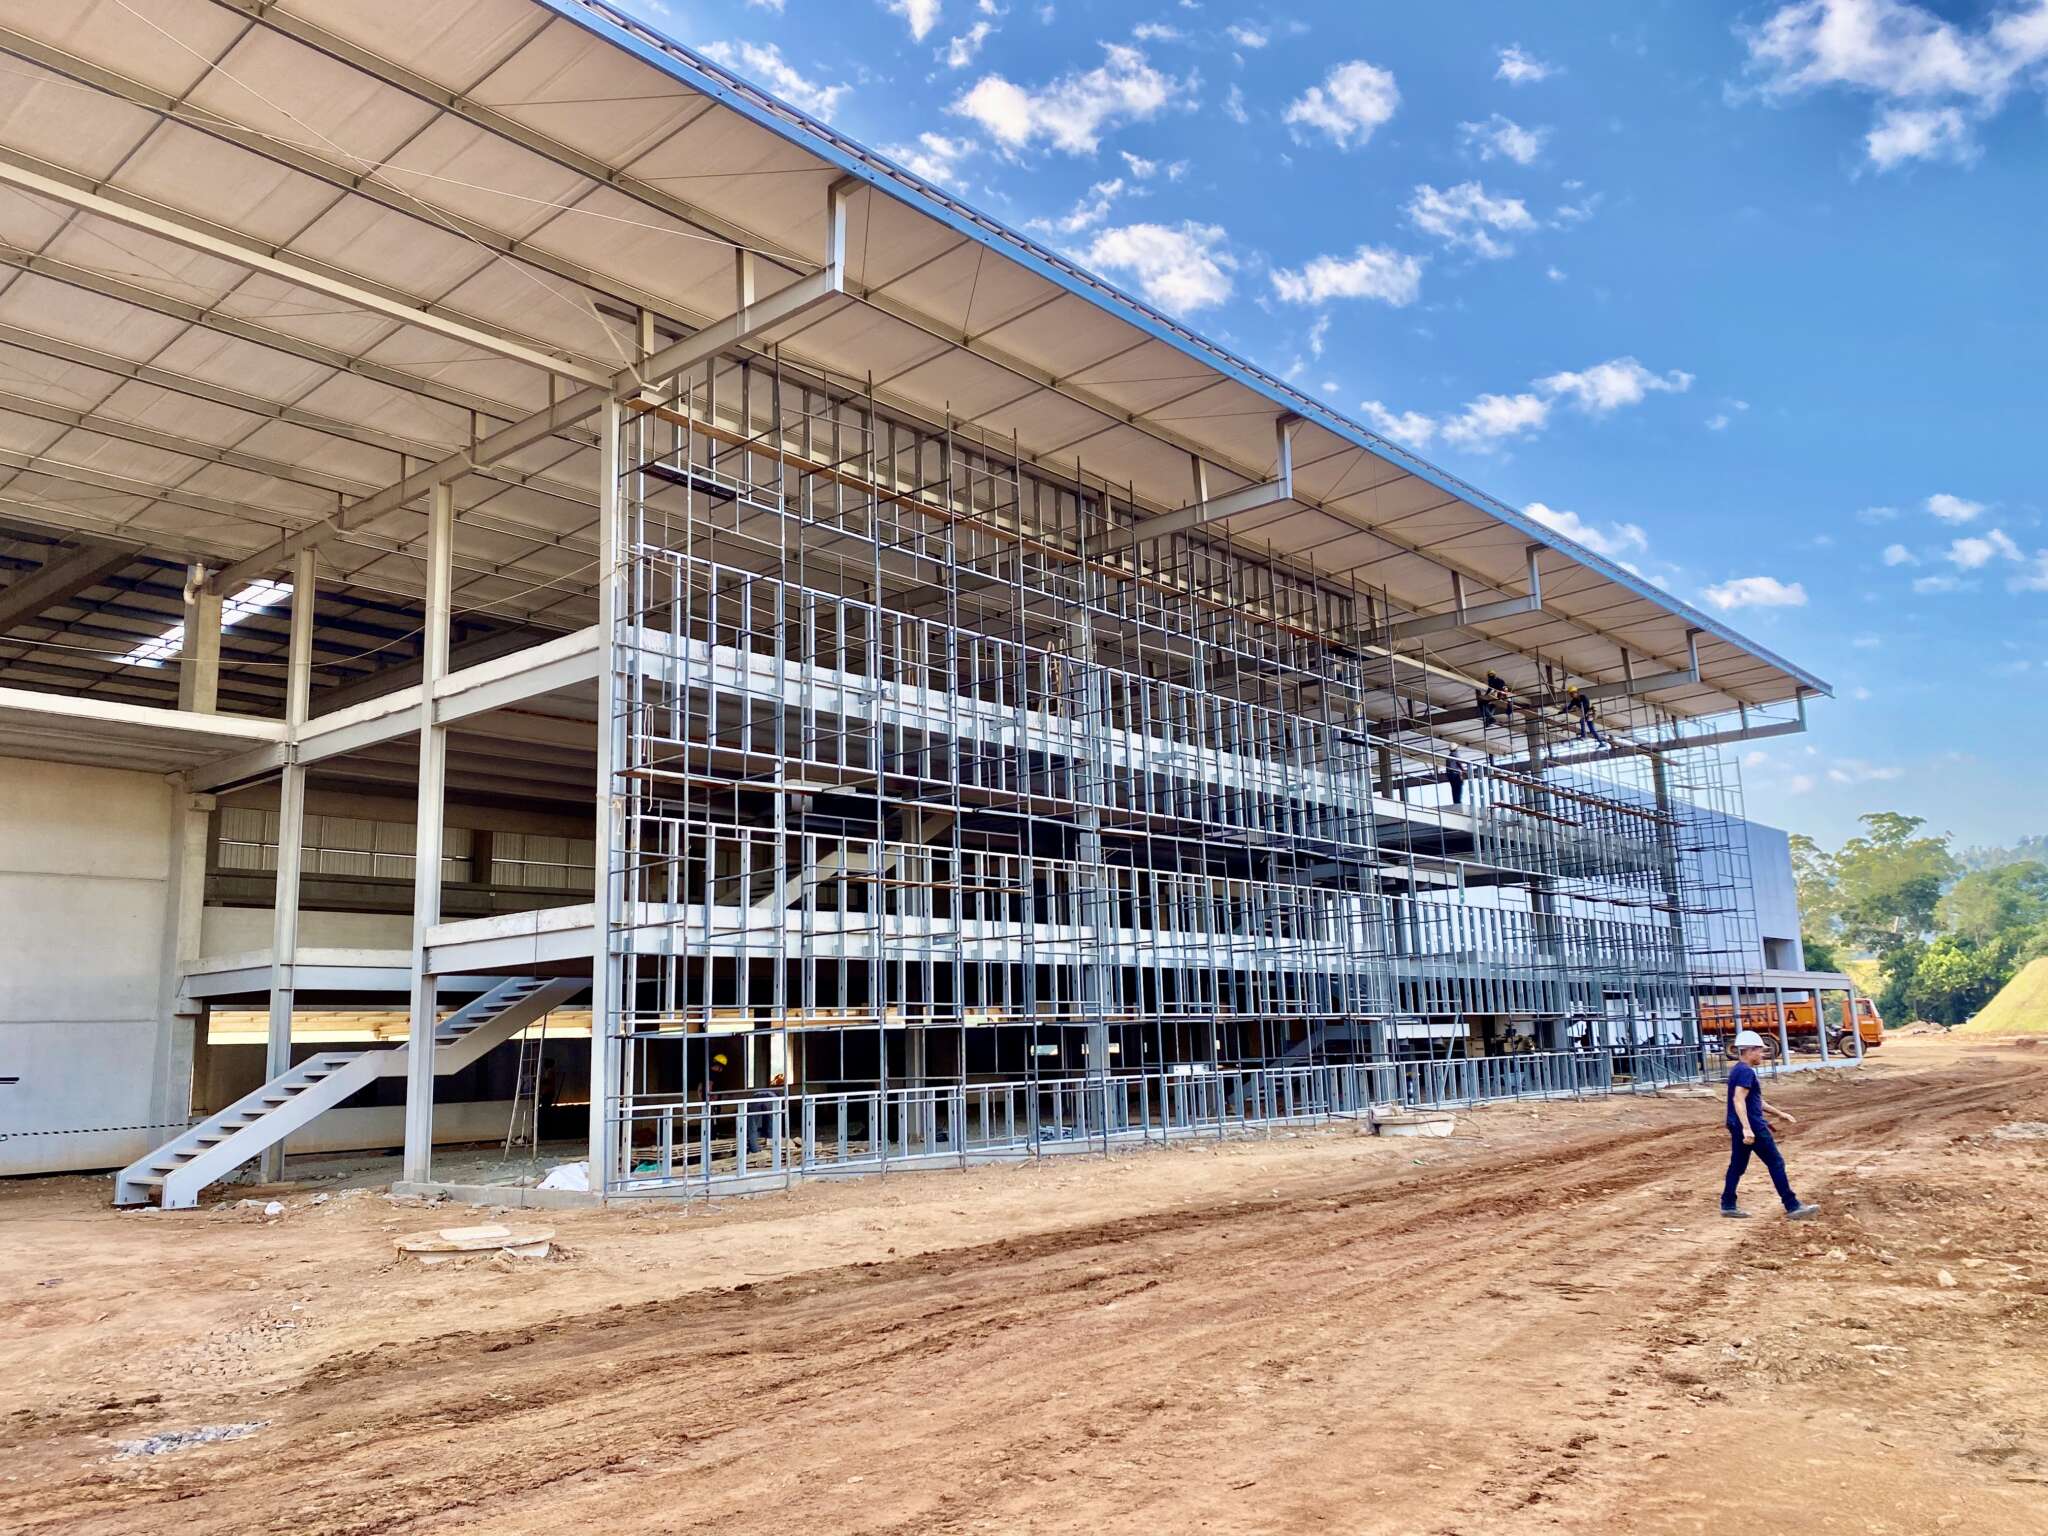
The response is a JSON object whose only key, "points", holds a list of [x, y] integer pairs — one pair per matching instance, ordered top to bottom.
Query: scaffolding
{"points": [[961, 815]]}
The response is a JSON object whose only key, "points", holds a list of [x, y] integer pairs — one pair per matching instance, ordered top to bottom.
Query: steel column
{"points": [[427, 841], [291, 844]]}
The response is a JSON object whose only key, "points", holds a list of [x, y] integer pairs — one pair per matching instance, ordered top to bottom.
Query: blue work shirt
{"points": [[1743, 1075]]}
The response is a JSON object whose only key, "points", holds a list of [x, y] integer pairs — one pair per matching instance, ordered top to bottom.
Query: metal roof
{"points": [[261, 258]]}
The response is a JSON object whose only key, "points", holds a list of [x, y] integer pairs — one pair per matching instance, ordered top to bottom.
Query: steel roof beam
{"points": [[297, 158], [125, 208], [206, 318], [749, 320], [255, 405], [255, 464], [1208, 509], [66, 574], [1464, 615]]}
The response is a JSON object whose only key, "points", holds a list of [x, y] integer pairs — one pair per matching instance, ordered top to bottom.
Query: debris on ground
{"points": [[574, 1177], [441, 1245], [184, 1439]]}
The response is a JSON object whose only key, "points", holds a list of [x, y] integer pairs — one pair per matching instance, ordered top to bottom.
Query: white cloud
{"points": [[766, 5], [922, 15], [1155, 32], [1247, 36], [1885, 47], [960, 52], [765, 63], [1519, 68], [1935, 77], [1353, 100], [1233, 106], [1072, 112], [1919, 133], [1503, 137], [934, 157], [1139, 166], [1092, 208], [1570, 214], [1467, 216], [1180, 269], [1370, 272], [1555, 274], [1316, 335], [1606, 387], [1492, 418], [1718, 422], [1483, 423], [1409, 426], [1953, 509], [1877, 515], [1617, 541], [1970, 553], [1898, 554], [2034, 578], [1927, 585], [1757, 592], [1868, 641], [1860, 694], [1854, 770], [1799, 784]]}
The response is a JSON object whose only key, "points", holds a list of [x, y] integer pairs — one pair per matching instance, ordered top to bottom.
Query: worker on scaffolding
{"points": [[1495, 702], [1576, 704], [1454, 775], [1749, 1131]]}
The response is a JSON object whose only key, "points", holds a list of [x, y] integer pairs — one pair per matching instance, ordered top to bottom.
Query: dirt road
{"points": [[1541, 1325]]}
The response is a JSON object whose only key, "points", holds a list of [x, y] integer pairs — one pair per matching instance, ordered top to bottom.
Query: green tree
{"points": [[1889, 881], [1988, 905], [1821, 954], [1897, 967], [1954, 977]]}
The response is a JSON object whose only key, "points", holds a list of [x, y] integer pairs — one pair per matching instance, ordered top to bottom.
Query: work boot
{"points": [[1734, 1212], [1802, 1212]]}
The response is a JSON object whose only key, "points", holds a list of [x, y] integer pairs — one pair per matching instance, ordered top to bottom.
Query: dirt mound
{"points": [[2021, 1007]]}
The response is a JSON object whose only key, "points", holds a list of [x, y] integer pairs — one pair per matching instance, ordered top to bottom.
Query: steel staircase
{"points": [[209, 1151]]}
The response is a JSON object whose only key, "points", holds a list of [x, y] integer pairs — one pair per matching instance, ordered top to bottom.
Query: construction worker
{"points": [[1495, 698], [1576, 703], [1454, 774], [761, 1121], [1749, 1131]]}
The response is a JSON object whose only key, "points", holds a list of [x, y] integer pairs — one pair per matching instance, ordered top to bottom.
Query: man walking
{"points": [[1749, 1131]]}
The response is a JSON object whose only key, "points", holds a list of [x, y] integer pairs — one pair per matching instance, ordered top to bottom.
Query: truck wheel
{"points": [[1771, 1049]]}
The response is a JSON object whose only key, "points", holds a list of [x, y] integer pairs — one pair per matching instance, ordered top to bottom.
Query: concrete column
{"points": [[199, 659], [427, 840], [291, 843], [605, 975], [180, 1034]]}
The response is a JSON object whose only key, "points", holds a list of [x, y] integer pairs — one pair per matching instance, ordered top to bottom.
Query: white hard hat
{"points": [[1748, 1038]]}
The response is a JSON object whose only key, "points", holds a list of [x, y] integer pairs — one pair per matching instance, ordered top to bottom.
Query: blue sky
{"points": [[1751, 299]]}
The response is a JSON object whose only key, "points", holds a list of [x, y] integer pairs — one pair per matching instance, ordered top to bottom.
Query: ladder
{"points": [[208, 1152]]}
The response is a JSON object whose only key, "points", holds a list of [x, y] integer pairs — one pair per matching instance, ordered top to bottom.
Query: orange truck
{"points": [[1802, 1024]]}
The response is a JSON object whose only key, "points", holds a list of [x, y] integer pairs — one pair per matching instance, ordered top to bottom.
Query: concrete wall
{"points": [[85, 867], [1777, 897], [237, 930]]}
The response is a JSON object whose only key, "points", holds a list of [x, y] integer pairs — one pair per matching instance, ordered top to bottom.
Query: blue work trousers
{"points": [[1766, 1150]]}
